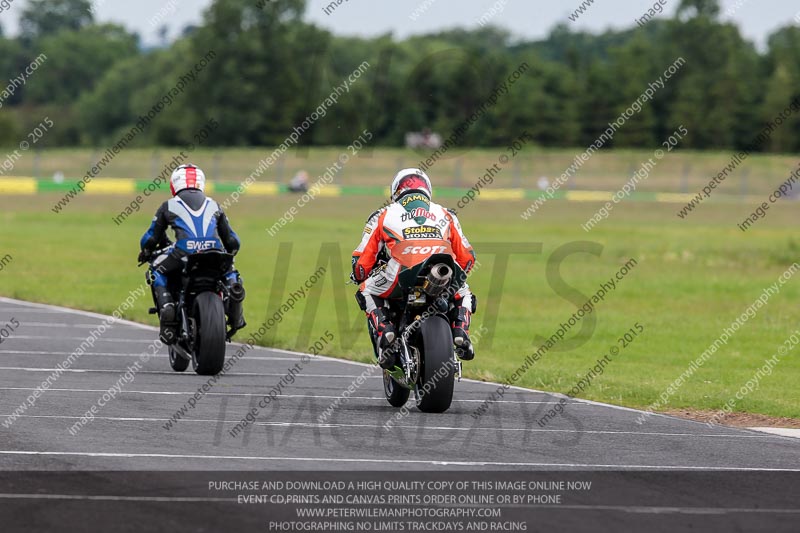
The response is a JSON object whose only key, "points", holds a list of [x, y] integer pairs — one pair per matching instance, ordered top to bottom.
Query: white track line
{"points": [[50, 307], [24, 310], [66, 325], [80, 339], [137, 354], [341, 361], [344, 361], [169, 373], [247, 394], [314, 425], [783, 432], [391, 461], [110, 498]]}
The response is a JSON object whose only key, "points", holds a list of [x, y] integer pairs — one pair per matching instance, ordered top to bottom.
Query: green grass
{"points": [[692, 279]]}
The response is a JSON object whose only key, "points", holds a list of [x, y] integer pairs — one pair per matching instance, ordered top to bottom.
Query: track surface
{"points": [[129, 434]]}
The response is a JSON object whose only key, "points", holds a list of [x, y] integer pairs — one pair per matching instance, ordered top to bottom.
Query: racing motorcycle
{"points": [[201, 304], [424, 346]]}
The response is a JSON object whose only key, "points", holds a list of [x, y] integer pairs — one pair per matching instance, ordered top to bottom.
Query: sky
{"points": [[525, 19]]}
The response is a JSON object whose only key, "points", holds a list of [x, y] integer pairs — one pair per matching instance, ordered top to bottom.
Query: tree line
{"points": [[260, 71]]}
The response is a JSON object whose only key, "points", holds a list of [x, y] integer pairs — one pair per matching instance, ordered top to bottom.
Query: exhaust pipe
{"points": [[438, 280], [237, 292], [235, 308]]}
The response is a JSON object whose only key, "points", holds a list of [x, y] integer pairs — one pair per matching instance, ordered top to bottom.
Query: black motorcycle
{"points": [[201, 306], [424, 345]]}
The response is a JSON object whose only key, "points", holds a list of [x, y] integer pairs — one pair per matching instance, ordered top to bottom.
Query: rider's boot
{"points": [[167, 315], [383, 335], [464, 348]]}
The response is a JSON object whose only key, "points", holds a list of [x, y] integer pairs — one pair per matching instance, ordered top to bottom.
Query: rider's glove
{"points": [[144, 256]]}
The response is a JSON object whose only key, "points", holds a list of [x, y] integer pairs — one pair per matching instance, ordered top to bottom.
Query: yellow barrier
{"points": [[18, 185], [111, 186], [263, 189], [330, 190], [503, 194], [589, 196], [674, 197]]}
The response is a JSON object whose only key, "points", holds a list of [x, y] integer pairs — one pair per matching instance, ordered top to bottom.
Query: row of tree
{"points": [[270, 69]]}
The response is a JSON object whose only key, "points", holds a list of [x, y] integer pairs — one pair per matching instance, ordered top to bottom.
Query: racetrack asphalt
{"points": [[129, 432]]}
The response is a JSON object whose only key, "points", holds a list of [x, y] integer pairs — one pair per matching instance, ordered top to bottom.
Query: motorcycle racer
{"points": [[199, 224], [405, 233]]}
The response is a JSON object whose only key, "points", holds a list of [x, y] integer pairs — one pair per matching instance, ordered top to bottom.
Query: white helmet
{"points": [[187, 177], [411, 179]]}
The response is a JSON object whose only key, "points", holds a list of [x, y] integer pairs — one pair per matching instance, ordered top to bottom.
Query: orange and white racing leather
{"points": [[410, 230]]}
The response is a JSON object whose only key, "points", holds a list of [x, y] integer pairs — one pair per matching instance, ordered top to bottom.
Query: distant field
{"points": [[678, 172], [692, 279]]}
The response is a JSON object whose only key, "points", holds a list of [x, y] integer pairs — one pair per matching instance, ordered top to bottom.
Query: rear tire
{"points": [[209, 335], [177, 361], [438, 367], [396, 394]]}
